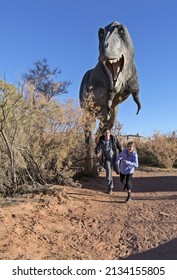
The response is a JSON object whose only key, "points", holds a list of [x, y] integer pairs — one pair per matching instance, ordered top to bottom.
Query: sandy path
{"points": [[86, 223]]}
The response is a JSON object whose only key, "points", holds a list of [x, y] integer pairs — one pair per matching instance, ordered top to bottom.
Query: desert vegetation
{"points": [[40, 137], [42, 140], [160, 150]]}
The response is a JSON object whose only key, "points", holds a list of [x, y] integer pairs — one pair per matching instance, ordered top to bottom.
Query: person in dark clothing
{"points": [[107, 150]]}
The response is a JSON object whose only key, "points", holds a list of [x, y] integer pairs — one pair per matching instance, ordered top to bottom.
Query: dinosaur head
{"points": [[116, 52]]}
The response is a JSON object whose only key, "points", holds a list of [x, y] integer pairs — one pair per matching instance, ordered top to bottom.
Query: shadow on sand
{"points": [[140, 184], [166, 251]]}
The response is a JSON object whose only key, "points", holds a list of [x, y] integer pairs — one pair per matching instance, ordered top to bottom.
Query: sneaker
{"points": [[125, 188], [128, 199]]}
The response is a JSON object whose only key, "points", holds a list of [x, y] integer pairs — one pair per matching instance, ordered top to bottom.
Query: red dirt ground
{"points": [[88, 224]]}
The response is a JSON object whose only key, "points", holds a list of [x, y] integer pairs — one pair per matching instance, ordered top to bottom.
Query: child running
{"points": [[127, 160]]}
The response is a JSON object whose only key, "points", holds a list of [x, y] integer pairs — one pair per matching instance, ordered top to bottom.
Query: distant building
{"points": [[132, 137]]}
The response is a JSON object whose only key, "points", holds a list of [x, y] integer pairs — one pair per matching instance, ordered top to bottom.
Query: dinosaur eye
{"points": [[121, 31], [101, 33]]}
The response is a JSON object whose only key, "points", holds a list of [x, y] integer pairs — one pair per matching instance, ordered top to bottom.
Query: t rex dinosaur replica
{"points": [[112, 80]]}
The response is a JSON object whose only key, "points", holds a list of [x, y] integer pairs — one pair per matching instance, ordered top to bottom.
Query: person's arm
{"points": [[118, 145], [98, 149], [119, 157], [134, 162]]}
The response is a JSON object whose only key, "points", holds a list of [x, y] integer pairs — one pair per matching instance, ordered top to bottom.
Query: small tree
{"points": [[43, 78]]}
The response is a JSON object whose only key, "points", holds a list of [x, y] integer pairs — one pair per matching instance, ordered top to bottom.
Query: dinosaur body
{"points": [[114, 77]]}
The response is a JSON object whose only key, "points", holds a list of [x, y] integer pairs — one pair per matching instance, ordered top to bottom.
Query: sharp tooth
{"points": [[120, 58], [113, 61]]}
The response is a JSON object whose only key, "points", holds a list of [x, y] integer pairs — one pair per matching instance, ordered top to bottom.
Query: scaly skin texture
{"points": [[113, 79]]}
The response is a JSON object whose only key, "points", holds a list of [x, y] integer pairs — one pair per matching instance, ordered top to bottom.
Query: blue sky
{"points": [[65, 33]]}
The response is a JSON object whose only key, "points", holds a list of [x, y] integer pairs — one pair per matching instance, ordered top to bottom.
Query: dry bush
{"points": [[89, 115], [11, 121], [116, 130], [39, 140], [164, 148], [161, 150], [145, 157]]}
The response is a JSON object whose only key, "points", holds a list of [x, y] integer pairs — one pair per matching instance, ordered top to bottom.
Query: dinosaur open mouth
{"points": [[115, 66]]}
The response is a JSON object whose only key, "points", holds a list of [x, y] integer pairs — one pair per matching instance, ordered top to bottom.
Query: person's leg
{"points": [[109, 175], [122, 178], [123, 181], [128, 186]]}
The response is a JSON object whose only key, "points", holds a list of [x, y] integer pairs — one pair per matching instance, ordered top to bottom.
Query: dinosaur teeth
{"points": [[113, 61], [114, 69], [118, 69], [115, 72]]}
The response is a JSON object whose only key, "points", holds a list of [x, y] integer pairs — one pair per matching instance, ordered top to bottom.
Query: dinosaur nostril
{"points": [[106, 45]]}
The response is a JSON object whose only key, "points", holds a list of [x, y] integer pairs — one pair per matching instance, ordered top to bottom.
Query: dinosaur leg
{"points": [[109, 109], [113, 115], [108, 124], [90, 165]]}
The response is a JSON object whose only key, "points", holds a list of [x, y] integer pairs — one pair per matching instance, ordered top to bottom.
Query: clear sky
{"points": [[65, 33]]}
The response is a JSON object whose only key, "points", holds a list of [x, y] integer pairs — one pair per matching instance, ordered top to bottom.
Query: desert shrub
{"points": [[39, 141], [164, 148], [161, 150], [145, 157], [175, 164]]}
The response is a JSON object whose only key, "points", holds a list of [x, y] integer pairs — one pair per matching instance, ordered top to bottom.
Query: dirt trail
{"points": [[86, 223]]}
